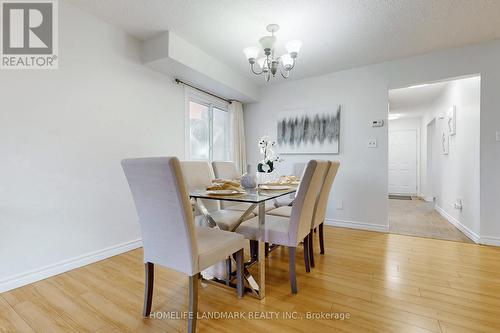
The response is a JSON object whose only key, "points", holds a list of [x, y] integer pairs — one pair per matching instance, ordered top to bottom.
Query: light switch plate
{"points": [[498, 136], [372, 143]]}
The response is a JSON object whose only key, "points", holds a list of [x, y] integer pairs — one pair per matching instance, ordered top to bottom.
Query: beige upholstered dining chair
{"points": [[225, 170], [228, 170], [198, 174], [319, 210], [290, 231], [169, 236]]}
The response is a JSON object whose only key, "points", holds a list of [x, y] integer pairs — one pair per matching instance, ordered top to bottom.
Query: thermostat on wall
{"points": [[377, 123]]}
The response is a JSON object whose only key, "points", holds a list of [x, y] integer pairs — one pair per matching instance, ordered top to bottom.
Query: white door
{"points": [[403, 162]]}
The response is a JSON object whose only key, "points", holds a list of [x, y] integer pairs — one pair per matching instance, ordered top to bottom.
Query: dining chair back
{"points": [[225, 170], [199, 174], [305, 200], [322, 202], [320, 210], [164, 211]]}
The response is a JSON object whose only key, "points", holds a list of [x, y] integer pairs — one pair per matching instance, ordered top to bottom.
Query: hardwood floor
{"points": [[419, 218], [386, 282]]}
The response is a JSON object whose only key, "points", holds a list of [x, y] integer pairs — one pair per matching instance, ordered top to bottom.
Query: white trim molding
{"points": [[427, 198], [357, 225], [469, 233], [493, 241], [23, 279]]}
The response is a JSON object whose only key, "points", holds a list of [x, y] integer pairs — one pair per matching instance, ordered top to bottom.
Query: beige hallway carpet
{"points": [[418, 218]]}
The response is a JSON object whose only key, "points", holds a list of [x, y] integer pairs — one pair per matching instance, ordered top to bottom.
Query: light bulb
{"points": [[293, 47], [287, 61]]}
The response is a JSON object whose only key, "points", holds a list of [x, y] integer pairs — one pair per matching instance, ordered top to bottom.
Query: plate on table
{"points": [[271, 187], [223, 192]]}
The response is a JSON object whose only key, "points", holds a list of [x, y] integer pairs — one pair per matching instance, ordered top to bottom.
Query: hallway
{"points": [[418, 218]]}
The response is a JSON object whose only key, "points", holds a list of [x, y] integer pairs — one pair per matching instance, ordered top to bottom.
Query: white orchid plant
{"points": [[266, 147]]}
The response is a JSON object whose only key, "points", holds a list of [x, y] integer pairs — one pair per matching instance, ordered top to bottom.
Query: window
{"points": [[208, 127]]}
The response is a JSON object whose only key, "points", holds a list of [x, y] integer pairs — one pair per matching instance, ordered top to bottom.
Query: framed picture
{"points": [[452, 120], [309, 131]]}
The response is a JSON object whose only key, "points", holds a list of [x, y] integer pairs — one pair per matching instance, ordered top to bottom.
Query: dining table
{"points": [[255, 198]]}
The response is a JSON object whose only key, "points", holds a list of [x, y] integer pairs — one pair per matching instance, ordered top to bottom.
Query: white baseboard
{"points": [[426, 198], [357, 225], [469, 233], [486, 240], [23, 279]]}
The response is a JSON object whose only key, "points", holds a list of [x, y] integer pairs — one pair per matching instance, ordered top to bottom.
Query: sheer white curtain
{"points": [[238, 136]]}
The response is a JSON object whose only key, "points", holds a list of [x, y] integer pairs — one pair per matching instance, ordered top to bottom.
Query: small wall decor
{"points": [[451, 119], [314, 131], [445, 142]]}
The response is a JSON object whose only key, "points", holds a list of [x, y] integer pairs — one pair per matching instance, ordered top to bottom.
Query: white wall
{"points": [[414, 123], [63, 133], [458, 173], [362, 180]]}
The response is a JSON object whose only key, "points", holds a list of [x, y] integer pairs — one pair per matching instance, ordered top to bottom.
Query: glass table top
{"points": [[250, 196]]}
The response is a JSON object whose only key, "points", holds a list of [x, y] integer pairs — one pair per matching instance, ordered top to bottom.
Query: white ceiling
{"points": [[336, 34], [415, 101]]}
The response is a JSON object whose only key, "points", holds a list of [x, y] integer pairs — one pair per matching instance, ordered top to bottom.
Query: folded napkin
{"points": [[284, 180], [226, 181], [222, 184]]}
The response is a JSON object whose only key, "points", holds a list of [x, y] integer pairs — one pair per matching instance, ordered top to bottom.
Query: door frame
{"points": [[430, 194]]}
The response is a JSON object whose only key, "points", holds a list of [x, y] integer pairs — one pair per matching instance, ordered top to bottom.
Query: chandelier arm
{"points": [[293, 65], [253, 70], [285, 76]]}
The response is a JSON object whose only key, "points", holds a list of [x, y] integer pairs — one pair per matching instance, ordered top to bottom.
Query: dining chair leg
{"points": [[321, 240], [311, 248], [254, 249], [306, 254], [291, 269], [228, 270], [194, 282], [240, 287], [148, 288]]}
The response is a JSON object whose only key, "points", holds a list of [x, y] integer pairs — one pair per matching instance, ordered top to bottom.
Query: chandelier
{"points": [[270, 63]]}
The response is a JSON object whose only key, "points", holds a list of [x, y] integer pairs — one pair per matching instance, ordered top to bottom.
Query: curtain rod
{"points": [[204, 91]]}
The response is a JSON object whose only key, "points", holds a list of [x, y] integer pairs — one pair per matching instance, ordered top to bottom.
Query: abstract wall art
{"points": [[309, 131]]}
